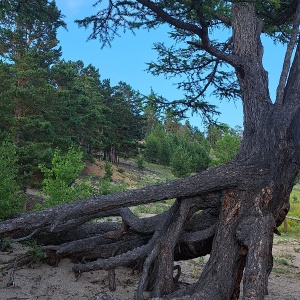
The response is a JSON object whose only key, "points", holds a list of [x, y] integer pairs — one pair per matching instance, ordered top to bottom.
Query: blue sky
{"points": [[126, 59]]}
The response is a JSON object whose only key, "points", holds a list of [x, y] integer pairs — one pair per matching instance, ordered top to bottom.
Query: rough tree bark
{"points": [[241, 202]]}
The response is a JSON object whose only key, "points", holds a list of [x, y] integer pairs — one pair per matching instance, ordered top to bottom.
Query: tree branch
{"points": [[200, 32], [287, 58], [291, 104], [210, 181]]}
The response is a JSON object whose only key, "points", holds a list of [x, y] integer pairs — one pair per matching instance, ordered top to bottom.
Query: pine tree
{"points": [[28, 47]]}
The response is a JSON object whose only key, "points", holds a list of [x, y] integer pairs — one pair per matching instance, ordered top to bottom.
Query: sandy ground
{"points": [[44, 282]]}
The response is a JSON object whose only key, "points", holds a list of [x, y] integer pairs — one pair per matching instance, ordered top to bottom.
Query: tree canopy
{"points": [[203, 43]]}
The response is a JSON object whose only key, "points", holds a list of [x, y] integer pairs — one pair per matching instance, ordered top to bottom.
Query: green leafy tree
{"points": [[28, 48], [151, 111], [79, 114], [125, 122], [172, 122], [215, 132], [161, 146], [152, 147], [225, 149], [165, 150], [199, 157], [140, 162], [181, 162], [108, 170], [59, 180], [11, 200]]}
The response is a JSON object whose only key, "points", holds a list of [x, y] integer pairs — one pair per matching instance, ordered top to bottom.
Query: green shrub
{"points": [[152, 148], [225, 149], [165, 151], [140, 162], [181, 162], [108, 170], [121, 170], [59, 182], [106, 187], [11, 200], [293, 227], [36, 252]]}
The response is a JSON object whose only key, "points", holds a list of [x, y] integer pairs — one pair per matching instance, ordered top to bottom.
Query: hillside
{"points": [[127, 171]]}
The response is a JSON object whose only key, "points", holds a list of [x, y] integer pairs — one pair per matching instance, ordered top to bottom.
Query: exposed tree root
{"points": [[206, 218]]}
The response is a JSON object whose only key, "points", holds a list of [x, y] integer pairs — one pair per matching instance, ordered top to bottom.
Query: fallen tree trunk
{"points": [[68, 216], [151, 245]]}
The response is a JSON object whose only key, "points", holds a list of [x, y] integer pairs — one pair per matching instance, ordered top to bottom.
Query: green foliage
{"points": [[278, 18], [28, 50], [46, 102], [151, 112], [78, 116], [124, 120], [182, 147], [152, 148], [225, 149], [165, 151], [30, 155], [199, 157], [140, 162], [181, 162], [65, 168], [108, 170], [297, 179], [59, 180], [106, 187], [295, 198], [10, 199], [293, 227], [36, 252]]}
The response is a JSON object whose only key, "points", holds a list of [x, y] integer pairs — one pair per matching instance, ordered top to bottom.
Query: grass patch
{"points": [[153, 208], [293, 227], [283, 239], [281, 261], [284, 261], [279, 271]]}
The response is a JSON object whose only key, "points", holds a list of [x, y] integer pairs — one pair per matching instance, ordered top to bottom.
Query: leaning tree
{"points": [[230, 211]]}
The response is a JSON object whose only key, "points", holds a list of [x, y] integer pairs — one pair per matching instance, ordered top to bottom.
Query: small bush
{"points": [[140, 162], [181, 163], [108, 170], [121, 170], [59, 182], [106, 187], [293, 227], [36, 251]]}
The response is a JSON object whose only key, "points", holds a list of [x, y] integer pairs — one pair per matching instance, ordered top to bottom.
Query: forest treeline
{"points": [[49, 106]]}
